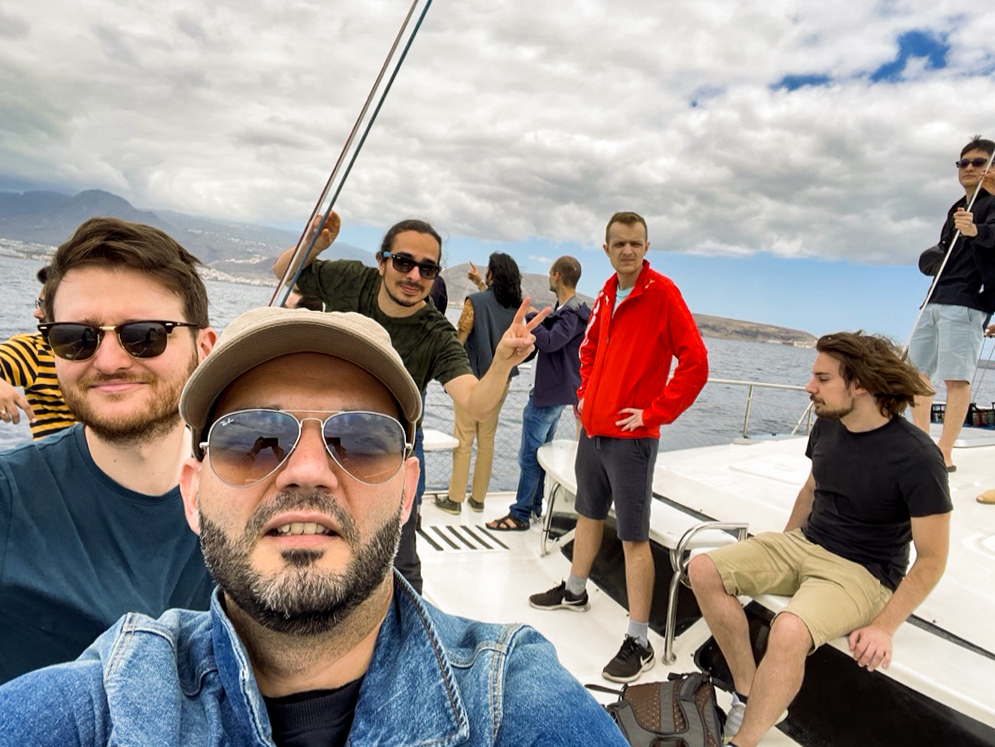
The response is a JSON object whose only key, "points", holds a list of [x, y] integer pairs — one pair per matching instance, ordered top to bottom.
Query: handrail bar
{"points": [[761, 384], [679, 557]]}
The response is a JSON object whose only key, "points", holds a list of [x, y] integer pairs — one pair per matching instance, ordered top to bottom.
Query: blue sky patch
{"points": [[914, 44], [794, 82]]}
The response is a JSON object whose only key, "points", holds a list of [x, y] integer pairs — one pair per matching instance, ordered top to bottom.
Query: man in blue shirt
{"points": [[556, 378], [302, 476], [91, 518]]}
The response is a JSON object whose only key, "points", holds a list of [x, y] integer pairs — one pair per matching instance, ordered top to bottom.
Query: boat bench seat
{"points": [[436, 440], [668, 524], [924, 661]]}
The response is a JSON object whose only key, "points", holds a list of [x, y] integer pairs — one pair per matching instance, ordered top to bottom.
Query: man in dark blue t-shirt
{"points": [[877, 483], [91, 519]]}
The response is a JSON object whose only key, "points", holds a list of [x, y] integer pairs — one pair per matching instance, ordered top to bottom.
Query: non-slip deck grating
{"points": [[459, 538]]}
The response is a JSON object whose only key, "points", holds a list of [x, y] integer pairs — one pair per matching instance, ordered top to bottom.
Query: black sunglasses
{"points": [[965, 162], [403, 263], [75, 341], [247, 446]]}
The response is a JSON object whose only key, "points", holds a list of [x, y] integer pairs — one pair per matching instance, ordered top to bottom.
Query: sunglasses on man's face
{"points": [[965, 162], [405, 264], [75, 341], [247, 446]]}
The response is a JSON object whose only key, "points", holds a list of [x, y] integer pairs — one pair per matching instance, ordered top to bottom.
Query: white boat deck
{"points": [[760, 480], [755, 482], [494, 585]]}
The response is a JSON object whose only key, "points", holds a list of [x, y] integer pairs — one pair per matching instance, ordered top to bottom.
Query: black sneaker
{"points": [[558, 598], [631, 661]]}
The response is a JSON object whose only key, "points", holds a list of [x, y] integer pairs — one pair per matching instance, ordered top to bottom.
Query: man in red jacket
{"points": [[639, 324]]}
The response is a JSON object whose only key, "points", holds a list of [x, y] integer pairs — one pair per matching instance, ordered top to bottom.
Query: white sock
{"points": [[576, 585]]}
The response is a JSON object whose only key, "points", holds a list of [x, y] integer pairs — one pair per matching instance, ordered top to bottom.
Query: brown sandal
{"points": [[988, 498], [509, 523]]}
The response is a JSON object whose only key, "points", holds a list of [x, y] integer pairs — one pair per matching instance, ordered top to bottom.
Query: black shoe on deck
{"points": [[558, 598], [630, 661]]}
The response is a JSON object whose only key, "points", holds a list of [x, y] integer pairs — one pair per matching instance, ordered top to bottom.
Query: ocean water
{"points": [[716, 417]]}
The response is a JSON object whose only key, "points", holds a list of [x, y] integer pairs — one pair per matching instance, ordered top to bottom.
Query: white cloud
{"points": [[511, 120]]}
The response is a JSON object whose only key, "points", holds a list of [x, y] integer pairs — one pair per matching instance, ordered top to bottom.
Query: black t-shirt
{"points": [[868, 486], [317, 718]]}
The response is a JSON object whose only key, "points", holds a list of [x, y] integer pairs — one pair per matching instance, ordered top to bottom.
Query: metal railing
{"points": [[752, 386], [722, 412]]}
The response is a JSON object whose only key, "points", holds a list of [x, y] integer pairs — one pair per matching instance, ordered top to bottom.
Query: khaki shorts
{"points": [[831, 595]]}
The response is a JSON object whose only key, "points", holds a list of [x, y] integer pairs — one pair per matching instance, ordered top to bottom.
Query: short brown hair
{"points": [[628, 219], [113, 243], [568, 268], [878, 366]]}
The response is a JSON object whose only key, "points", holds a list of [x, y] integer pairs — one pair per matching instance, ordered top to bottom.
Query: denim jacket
{"points": [[185, 679]]}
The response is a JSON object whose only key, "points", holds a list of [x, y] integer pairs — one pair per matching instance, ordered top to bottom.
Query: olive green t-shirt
{"points": [[426, 340]]}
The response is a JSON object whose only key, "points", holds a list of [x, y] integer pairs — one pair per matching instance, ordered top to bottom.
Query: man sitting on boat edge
{"points": [[301, 482], [877, 482]]}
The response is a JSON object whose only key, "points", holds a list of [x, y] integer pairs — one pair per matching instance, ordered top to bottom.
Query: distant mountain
{"points": [[50, 217], [34, 223], [231, 249], [534, 286], [537, 287]]}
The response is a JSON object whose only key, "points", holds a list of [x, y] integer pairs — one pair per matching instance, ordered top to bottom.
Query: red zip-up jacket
{"points": [[625, 358]]}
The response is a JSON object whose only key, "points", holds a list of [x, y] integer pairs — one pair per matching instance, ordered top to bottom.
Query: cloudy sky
{"points": [[792, 158]]}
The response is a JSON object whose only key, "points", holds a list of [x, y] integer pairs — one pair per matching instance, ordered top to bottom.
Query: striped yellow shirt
{"points": [[26, 361]]}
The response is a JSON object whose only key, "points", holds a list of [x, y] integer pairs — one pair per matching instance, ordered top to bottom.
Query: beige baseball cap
{"points": [[269, 332]]}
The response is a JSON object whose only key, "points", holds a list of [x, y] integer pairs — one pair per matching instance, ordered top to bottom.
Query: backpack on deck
{"points": [[680, 712]]}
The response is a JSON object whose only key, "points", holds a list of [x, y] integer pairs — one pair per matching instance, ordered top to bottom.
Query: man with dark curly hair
{"points": [[877, 483]]}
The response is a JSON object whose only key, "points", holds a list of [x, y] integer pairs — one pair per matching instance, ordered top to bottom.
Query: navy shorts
{"points": [[618, 470]]}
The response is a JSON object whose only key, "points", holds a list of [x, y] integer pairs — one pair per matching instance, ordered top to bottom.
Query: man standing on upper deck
{"points": [[394, 294], [639, 324], [946, 342], [877, 483], [91, 519]]}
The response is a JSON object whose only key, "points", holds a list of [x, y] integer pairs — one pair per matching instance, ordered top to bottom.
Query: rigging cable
{"points": [[350, 151]]}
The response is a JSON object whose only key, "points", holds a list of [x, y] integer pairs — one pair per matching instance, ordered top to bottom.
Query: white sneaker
{"points": [[734, 719]]}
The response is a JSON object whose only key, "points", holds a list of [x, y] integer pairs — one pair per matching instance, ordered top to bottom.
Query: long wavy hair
{"points": [[506, 279], [877, 365]]}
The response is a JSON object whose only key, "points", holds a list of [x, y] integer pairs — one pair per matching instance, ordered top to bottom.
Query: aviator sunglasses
{"points": [[965, 162], [404, 264], [75, 341], [247, 446]]}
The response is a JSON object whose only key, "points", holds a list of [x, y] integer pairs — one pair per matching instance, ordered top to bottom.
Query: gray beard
{"points": [[300, 600]]}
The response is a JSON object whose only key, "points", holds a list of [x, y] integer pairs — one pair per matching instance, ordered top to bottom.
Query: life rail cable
{"points": [[350, 151], [949, 251], [976, 382]]}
